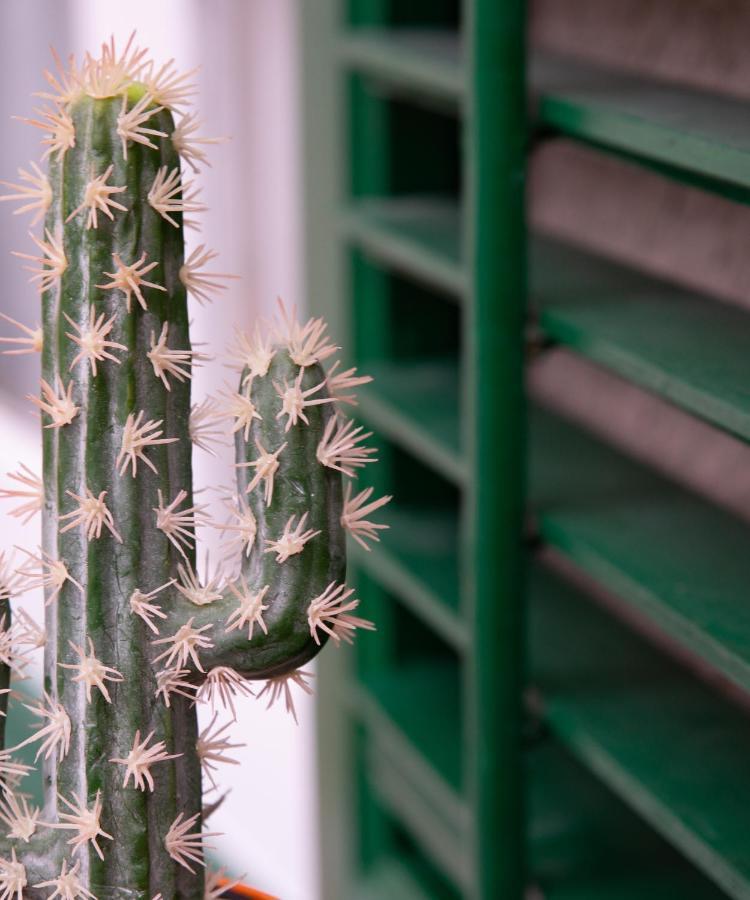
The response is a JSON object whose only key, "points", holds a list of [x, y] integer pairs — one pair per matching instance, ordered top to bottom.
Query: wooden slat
{"points": [[425, 62], [696, 131], [419, 236], [687, 348], [415, 404], [674, 558], [417, 561], [418, 705], [412, 717], [673, 749], [443, 843], [585, 844], [394, 878]]}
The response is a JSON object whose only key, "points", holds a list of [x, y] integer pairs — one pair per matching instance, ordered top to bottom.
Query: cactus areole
{"points": [[134, 638]]}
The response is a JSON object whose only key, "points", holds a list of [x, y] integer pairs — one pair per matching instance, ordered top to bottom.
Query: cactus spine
{"points": [[133, 638]]}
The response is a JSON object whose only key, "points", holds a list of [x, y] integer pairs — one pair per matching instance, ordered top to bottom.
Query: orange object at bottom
{"points": [[240, 890]]}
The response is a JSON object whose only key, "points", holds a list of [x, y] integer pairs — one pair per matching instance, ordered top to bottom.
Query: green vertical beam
{"points": [[496, 147], [324, 155]]}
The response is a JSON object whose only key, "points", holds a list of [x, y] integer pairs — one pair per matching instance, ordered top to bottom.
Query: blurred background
{"points": [[247, 90], [529, 220]]}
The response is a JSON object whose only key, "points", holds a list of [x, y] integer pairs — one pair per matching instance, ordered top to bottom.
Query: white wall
{"points": [[248, 90]]}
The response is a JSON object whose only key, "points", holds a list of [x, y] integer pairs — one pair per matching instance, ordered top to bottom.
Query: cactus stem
{"points": [[35, 193], [52, 262], [129, 279], [200, 284], [93, 340], [292, 540], [281, 686], [139, 760]]}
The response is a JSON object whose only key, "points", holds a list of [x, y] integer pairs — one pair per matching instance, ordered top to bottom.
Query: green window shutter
{"points": [[548, 707]]}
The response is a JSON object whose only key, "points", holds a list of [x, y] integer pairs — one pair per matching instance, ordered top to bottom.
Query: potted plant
{"points": [[133, 638]]}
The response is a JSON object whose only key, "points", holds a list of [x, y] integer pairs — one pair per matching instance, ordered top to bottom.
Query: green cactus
{"points": [[133, 638]]}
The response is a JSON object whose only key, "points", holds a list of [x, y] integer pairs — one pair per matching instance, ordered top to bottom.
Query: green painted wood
{"points": [[425, 62], [689, 129], [325, 154], [368, 171], [420, 236], [689, 349], [415, 403], [492, 411], [616, 520], [417, 560], [422, 703], [671, 747], [439, 838], [586, 844], [393, 878]]}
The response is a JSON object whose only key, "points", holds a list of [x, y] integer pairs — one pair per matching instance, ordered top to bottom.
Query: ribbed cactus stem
{"points": [[81, 459]]}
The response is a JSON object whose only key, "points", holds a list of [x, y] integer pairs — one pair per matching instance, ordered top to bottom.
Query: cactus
{"points": [[133, 639]]}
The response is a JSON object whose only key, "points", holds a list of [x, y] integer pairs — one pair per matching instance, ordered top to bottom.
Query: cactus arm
{"points": [[301, 485]]}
